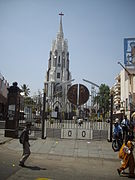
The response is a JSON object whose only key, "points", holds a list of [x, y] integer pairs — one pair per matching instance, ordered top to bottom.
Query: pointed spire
{"points": [[61, 34]]}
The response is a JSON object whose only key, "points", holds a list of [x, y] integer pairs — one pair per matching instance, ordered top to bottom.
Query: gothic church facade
{"points": [[58, 76]]}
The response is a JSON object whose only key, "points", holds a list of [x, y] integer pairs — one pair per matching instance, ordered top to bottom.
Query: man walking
{"points": [[125, 127], [24, 140]]}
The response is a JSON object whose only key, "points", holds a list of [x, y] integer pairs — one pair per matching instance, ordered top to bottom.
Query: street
{"points": [[9, 161], [56, 167]]}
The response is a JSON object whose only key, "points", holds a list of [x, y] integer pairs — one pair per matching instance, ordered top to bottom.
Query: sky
{"points": [[95, 30]]}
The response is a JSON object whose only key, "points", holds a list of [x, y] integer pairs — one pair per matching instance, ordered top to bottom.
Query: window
{"points": [[54, 62], [59, 62], [64, 63], [67, 64], [58, 75]]}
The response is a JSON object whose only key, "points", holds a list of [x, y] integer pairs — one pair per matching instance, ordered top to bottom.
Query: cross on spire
{"points": [[61, 14]]}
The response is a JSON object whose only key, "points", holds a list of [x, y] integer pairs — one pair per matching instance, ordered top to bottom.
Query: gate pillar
{"points": [[13, 111]]}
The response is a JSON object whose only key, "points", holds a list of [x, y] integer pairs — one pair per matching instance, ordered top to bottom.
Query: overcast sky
{"points": [[95, 30]]}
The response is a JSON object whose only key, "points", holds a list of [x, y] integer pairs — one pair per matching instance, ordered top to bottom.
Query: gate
{"points": [[66, 129], [71, 130], [76, 131]]}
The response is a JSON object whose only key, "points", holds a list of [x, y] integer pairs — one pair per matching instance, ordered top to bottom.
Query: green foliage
{"points": [[25, 89], [102, 99], [28, 101]]}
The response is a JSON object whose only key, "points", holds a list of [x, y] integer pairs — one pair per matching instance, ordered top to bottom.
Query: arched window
{"points": [[63, 60], [54, 62], [59, 62], [67, 64], [57, 109]]}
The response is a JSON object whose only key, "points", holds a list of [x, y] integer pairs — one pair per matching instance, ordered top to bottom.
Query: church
{"points": [[58, 77]]}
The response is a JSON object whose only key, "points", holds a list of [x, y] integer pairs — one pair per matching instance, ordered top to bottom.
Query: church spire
{"points": [[61, 34]]}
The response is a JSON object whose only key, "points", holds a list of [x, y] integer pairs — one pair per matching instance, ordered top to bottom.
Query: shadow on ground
{"points": [[35, 168]]}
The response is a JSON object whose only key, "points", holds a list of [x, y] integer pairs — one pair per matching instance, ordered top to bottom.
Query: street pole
{"points": [[94, 84], [43, 114], [111, 118]]}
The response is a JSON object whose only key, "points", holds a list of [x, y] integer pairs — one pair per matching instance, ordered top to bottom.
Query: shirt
{"points": [[125, 122], [117, 129]]}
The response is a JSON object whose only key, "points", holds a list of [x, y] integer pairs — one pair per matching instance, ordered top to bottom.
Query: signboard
{"points": [[129, 51], [72, 94], [83, 94], [78, 98], [11, 107], [11, 111]]}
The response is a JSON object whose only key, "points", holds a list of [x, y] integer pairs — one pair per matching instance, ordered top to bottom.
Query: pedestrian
{"points": [[80, 121], [125, 127], [117, 131], [117, 136], [24, 140], [126, 154]]}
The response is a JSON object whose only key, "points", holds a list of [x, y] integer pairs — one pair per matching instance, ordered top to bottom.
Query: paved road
{"points": [[59, 159], [8, 163], [56, 167]]}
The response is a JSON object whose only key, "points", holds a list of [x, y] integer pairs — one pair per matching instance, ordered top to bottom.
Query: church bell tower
{"points": [[58, 76]]}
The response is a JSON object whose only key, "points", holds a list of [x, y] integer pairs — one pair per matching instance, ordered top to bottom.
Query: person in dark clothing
{"points": [[125, 127], [117, 131], [24, 139]]}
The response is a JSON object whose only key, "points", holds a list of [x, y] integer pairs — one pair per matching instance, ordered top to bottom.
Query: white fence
{"points": [[71, 130]]}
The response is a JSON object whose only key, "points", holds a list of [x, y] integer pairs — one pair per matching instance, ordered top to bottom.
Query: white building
{"points": [[58, 76], [124, 92], [117, 94]]}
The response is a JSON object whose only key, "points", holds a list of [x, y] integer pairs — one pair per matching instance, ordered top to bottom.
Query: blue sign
{"points": [[129, 51]]}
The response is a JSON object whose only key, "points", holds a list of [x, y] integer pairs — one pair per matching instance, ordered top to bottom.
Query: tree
{"points": [[25, 89], [102, 99]]}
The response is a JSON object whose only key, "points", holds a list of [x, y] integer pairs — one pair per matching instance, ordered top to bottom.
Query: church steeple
{"points": [[60, 33], [58, 72]]}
